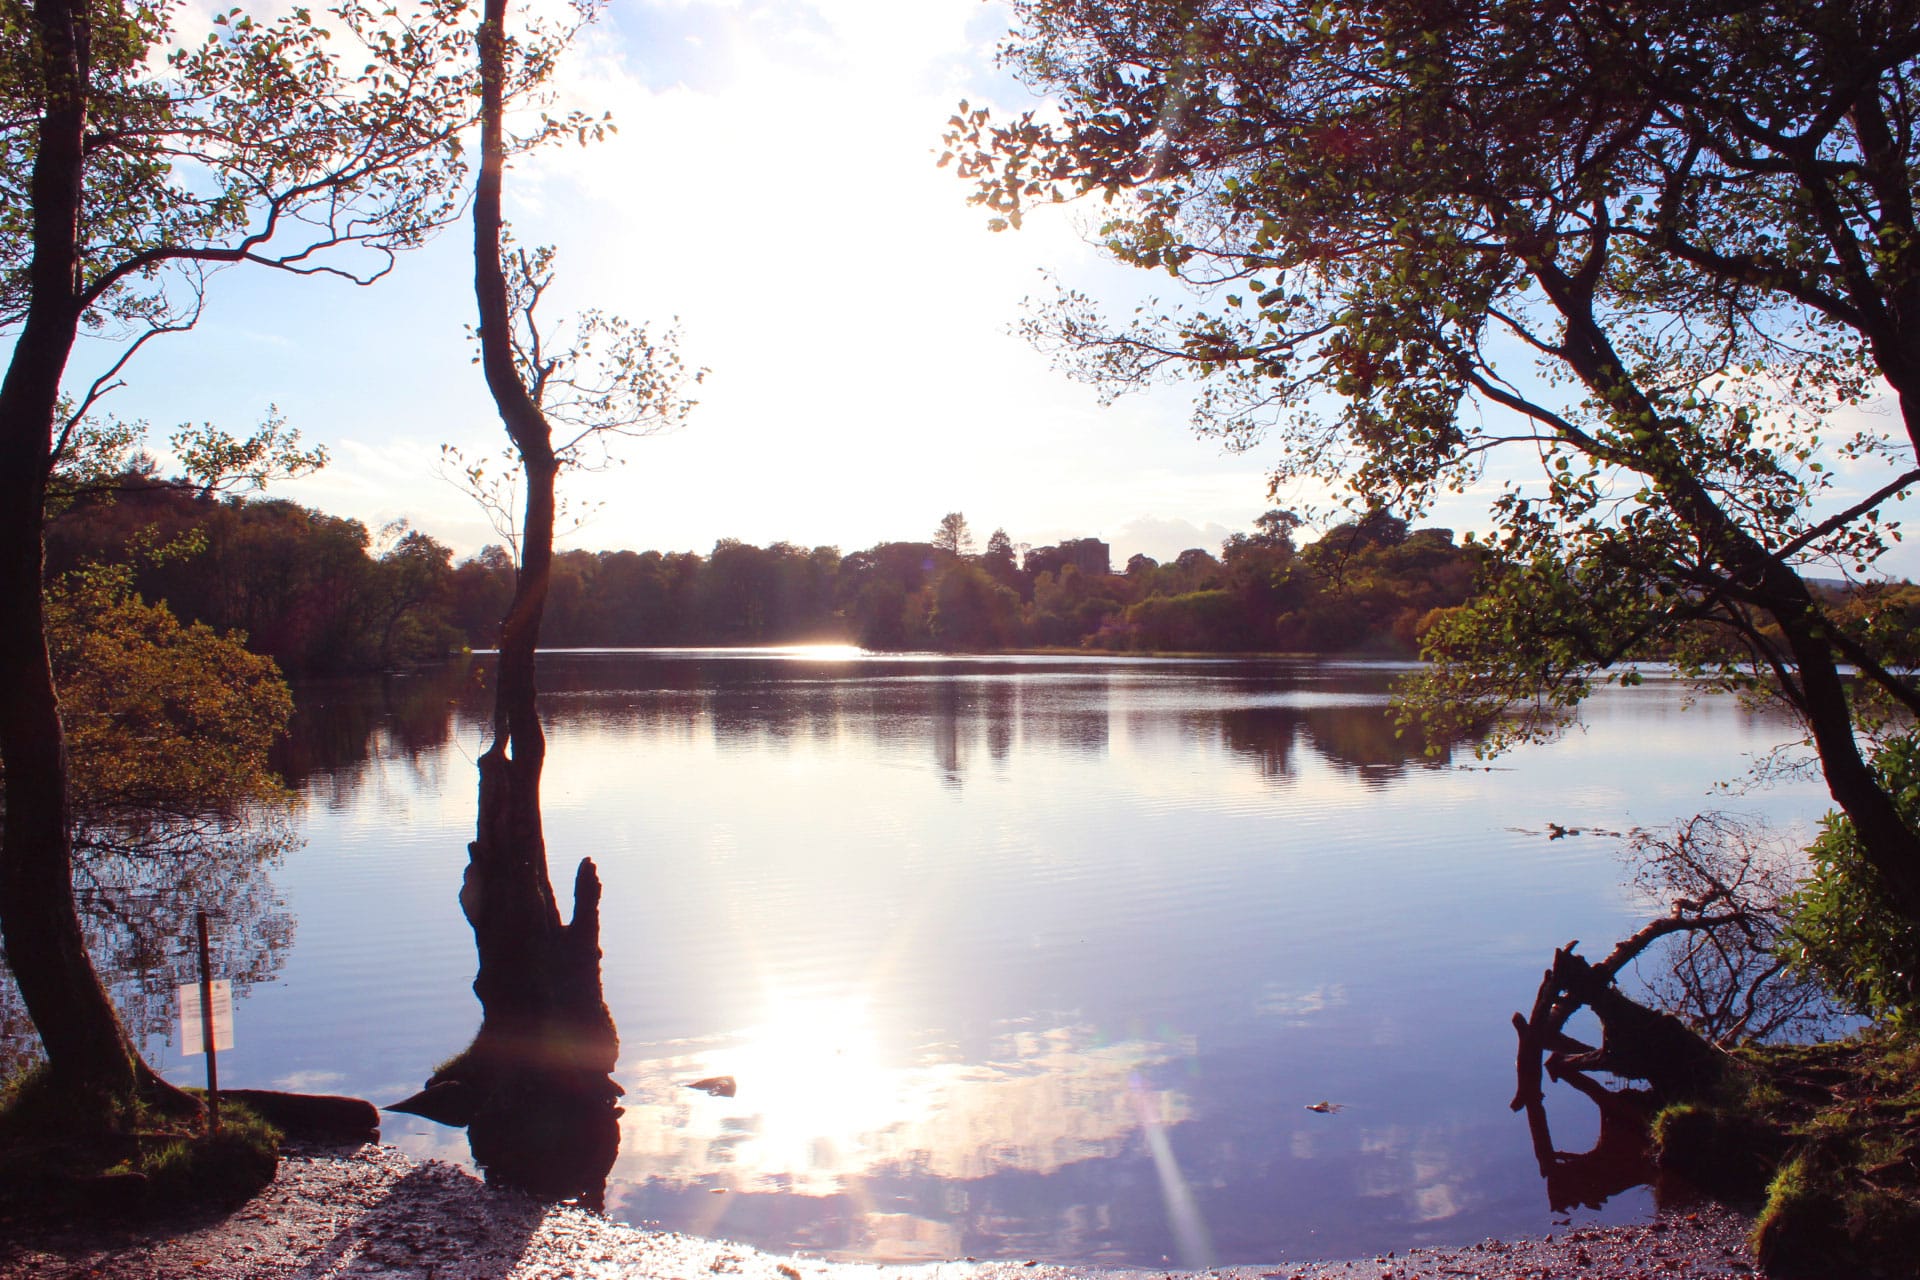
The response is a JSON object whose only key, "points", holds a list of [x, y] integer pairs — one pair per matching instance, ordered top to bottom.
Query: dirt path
{"points": [[376, 1212]]}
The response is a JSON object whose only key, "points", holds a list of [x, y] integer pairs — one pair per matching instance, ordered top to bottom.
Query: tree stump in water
{"points": [[535, 1089]]}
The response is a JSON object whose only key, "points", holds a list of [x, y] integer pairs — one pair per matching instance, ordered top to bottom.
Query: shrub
{"points": [[1842, 929]]}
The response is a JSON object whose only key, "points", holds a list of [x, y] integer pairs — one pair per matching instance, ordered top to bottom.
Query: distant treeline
{"points": [[320, 593]]}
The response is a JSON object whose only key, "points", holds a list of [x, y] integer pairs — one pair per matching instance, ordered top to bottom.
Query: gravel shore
{"points": [[373, 1211]]}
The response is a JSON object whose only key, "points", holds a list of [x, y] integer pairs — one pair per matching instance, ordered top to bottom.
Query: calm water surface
{"points": [[1010, 957]]}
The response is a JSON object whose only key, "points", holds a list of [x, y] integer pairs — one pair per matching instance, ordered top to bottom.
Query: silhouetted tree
{"points": [[121, 197], [952, 535], [999, 562], [535, 1088]]}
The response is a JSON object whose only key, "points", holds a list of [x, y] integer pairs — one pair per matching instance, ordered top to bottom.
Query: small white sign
{"points": [[191, 1041]]}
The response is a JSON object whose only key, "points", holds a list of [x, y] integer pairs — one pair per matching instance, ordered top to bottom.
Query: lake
{"points": [[1010, 957]]}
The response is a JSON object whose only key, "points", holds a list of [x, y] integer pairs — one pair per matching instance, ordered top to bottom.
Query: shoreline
{"points": [[337, 1212]]}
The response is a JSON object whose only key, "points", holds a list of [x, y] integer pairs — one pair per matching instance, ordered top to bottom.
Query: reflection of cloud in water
{"points": [[1297, 1006], [818, 1108], [426, 1140], [1413, 1169], [1434, 1202], [903, 1235]]}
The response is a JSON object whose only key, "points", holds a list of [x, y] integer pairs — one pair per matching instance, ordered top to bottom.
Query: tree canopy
{"points": [[136, 158], [1656, 250]]}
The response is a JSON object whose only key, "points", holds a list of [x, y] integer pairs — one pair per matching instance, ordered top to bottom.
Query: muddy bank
{"points": [[373, 1211]]}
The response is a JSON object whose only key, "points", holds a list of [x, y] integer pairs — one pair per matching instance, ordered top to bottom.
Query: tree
{"points": [[132, 170], [1653, 247], [1276, 528], [952, 535], [1272, 536], [1039, 560], [1001, 564], [1196, 569], [412, 580], [298, 582], [736, 582], [302, 585], [482, 588], [882, 593], [1070, 603], [971, 612], [168, 725], [175, 804], [535, 1088]]}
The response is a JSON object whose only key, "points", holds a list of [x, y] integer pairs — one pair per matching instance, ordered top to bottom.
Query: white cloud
{"points": [[1165, 537]]}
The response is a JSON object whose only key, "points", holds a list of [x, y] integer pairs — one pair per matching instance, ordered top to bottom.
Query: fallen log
{"points": [[1636, 1042], [317, 1117]]}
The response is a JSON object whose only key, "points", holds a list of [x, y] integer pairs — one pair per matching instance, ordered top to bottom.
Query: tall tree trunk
{"points": [[508, 897], [85, 1044], [535, 1089]]}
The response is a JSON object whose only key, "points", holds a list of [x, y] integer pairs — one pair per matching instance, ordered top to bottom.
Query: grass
{"points": [[1825, 1140], [61, 1154]]}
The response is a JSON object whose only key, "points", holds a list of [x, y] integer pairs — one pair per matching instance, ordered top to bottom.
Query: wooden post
{"points": [[206, 1030]]}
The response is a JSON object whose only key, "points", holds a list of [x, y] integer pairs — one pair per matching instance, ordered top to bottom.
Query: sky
{"points": [[772, 187], [772, 190]]}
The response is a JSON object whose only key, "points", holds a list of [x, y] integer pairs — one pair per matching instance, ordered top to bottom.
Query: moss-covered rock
{"points": [[1832, 1133], [1724, 1150], [1800, 1231]]}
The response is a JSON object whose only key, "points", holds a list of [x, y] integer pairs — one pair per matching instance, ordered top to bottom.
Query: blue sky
{"points": [[773, 187]]}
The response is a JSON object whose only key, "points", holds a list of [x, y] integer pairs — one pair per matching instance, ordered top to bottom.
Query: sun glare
{"points": [[823, 652], [815, 1077], [824, 1097]]}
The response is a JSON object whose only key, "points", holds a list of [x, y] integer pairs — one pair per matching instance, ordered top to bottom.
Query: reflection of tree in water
{"points": [[917, 706], [999, 707], [772, 709], [945, 713], [1075, 716], [339, 724], [1086, 728], [1265, 735], [1360, 739], [1366, 740], [141, 874], [137, 901], [1719, 966], [1714, 980], [1621, 1157]]}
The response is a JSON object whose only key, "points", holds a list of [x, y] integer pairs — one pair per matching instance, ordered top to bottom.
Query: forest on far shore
{"points": [[323, 594]]}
